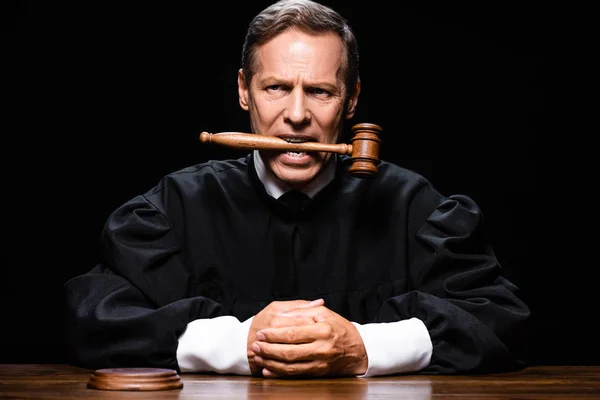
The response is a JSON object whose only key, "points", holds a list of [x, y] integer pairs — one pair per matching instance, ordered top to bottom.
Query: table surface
{"points": [[52, 381]]}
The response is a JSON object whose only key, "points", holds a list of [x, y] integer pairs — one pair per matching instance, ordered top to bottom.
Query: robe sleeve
{"points": [[130, 310], [474, 316]]}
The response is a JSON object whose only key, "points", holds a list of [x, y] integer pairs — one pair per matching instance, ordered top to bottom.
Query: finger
{"points": [[314, 303], [282, 306], [315, 312], [280, 321], [294, 334], [286, 352], [278, 369], [273, 375]]}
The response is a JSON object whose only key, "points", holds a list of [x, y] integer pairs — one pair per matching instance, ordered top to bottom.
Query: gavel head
{"points": [[365, 150]]}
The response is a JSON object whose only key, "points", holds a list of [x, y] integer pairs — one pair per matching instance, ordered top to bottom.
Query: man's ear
{"points": [[242, 90], [352, 101]]}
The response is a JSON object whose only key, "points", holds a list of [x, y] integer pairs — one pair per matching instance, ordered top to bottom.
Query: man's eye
{"points": [[274, 87], [318, 91]]}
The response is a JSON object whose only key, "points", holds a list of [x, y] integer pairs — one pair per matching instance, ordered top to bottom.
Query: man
{"points": [[214, 270]]}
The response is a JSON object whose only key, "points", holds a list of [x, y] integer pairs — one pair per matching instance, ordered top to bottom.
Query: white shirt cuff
{"points": [[215, 345], [396, 347]]}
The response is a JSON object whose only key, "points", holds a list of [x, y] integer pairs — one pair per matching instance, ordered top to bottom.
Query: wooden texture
{"points": [[251, 141], [363, 150], [140, 379], [544, 382]]}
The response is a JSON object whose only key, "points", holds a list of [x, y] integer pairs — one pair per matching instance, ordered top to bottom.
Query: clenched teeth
{"points": [[295, 140], [296, 153]]}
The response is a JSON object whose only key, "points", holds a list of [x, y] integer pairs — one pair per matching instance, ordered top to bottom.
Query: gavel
{"points": [[363, 148]]}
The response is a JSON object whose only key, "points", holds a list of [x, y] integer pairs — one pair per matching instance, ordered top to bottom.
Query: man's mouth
{"points": [[297, 154]]}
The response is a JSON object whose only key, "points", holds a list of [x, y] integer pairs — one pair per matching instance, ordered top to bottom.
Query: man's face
{"points": [[296, 95]]}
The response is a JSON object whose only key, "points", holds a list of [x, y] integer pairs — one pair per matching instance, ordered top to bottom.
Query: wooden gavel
{"points": [[363, 150]]}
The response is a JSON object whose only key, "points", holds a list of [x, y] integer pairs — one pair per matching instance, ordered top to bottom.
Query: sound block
{"points": [[137, 379]]}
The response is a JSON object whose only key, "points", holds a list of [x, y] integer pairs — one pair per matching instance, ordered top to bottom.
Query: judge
{"points": [[221, 268]]}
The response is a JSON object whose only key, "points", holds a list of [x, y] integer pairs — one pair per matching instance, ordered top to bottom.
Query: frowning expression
{"points": [[297, 93]]}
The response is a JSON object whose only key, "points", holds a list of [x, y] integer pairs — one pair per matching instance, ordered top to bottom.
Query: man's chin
{"points": [[296, 176], [295, 180]]}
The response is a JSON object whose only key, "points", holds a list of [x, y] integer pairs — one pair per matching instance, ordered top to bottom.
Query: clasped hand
{"points": [[304, 339]]}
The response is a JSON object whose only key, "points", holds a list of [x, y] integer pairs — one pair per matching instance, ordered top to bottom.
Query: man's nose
{"points": [[297, 111]]}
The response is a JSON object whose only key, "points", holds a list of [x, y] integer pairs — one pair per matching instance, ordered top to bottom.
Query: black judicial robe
{"points": [[209, 241]]}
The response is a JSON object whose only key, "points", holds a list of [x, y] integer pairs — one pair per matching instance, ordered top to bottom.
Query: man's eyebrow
{"points": [[309, 83]]}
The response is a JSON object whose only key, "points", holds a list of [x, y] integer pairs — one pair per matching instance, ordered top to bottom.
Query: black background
{"points": [[107, 97]]}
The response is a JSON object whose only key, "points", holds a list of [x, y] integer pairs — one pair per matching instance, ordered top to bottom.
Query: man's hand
{"points": [[276, 315], [330, 346]]}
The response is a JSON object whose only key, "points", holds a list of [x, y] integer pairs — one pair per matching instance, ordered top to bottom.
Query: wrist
{"points": [[361, 362], [255, 370]]}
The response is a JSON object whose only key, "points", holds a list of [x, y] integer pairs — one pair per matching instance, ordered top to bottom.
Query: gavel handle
{"points": [[260, 142]]}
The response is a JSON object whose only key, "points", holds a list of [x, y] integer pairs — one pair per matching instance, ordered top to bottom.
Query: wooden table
{"points": [[42, 381]]}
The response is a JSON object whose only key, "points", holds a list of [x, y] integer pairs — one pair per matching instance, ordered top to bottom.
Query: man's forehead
{"points": [[315, 56]]}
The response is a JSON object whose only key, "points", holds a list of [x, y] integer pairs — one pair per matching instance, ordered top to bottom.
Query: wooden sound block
{"points": [[135, 379]]}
